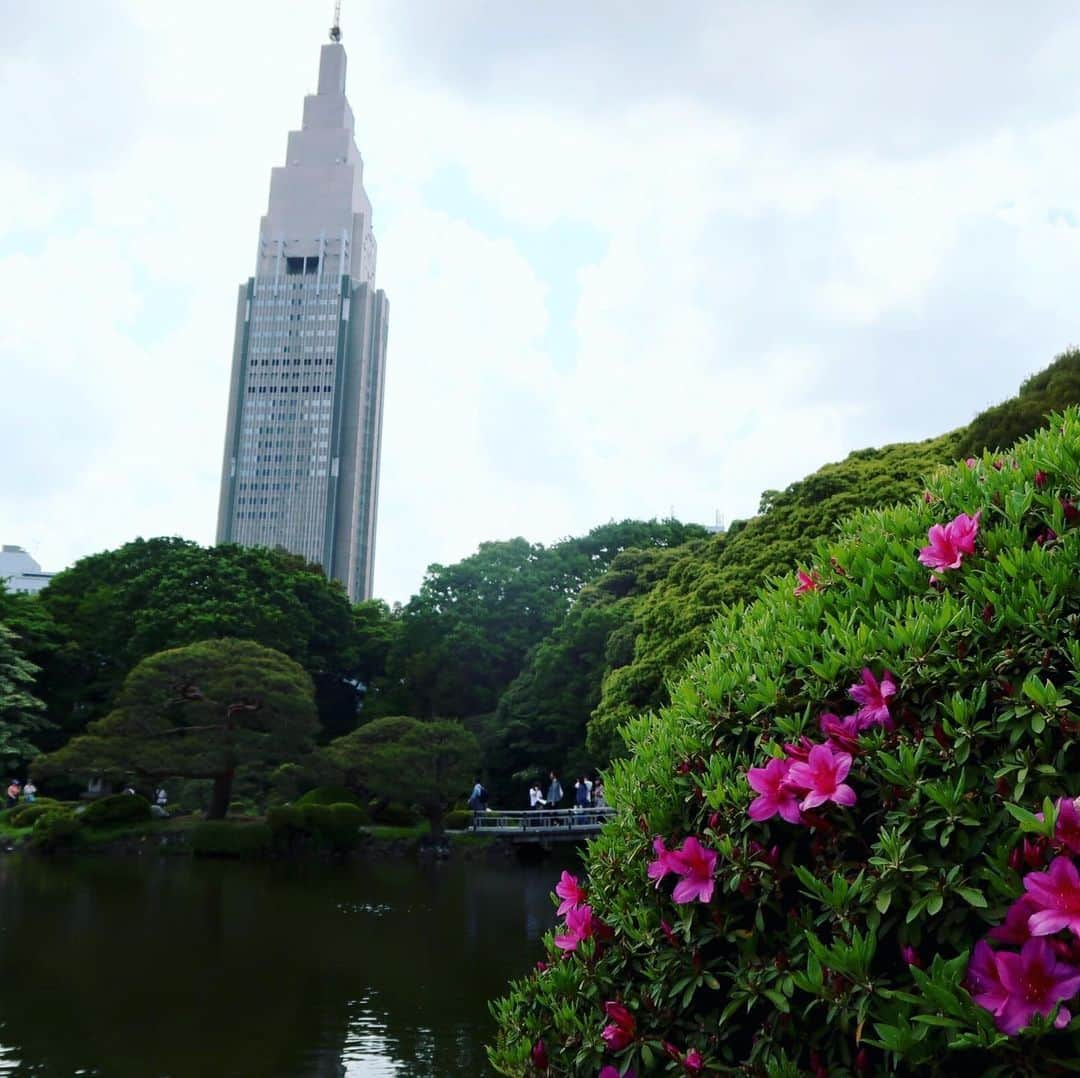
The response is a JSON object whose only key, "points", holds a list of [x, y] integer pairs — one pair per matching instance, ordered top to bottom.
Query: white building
{"points": [[304, 427], [19, 572]]}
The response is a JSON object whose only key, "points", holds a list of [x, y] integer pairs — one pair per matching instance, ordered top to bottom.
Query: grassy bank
{"points": [[240, 836]]}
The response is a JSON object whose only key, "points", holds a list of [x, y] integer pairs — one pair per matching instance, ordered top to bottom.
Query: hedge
{"points": [[839, 849]]}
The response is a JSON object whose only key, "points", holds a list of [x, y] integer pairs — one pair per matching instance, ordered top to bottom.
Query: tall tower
{"points": [[302, 438]]}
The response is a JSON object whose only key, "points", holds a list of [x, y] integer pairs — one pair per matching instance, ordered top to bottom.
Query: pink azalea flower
{"points": [[971, 462], [950, 542], [807, 582], [873, 699], [843, 733], [798, 750], [823, 776], [774, 794], [1067, 825], [696, 864], [659, 868], [1056, 892], [571, 893], [579, 926], [1014, 929], [911, 956], [984, 979], [1035, 981], [623, 1027], [540, 1056], [693, 1063], [613, 1072]]}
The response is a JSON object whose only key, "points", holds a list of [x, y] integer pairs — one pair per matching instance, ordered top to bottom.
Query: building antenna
{"points": [[335, 30]]}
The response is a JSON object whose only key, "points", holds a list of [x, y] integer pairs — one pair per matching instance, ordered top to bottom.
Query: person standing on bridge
{"points": [[555, 791], [581, 793]]}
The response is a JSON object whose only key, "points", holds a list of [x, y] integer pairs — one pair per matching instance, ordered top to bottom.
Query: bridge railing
{"points": [[568, 820]]}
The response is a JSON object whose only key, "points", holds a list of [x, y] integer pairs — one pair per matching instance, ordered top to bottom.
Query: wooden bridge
{"points": [[542, 825]]}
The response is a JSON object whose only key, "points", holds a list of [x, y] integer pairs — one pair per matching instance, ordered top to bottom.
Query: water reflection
{"points": [[175, 968]]}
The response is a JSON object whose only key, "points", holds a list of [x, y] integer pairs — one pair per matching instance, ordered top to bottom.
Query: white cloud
{"points": [[819, 231]]}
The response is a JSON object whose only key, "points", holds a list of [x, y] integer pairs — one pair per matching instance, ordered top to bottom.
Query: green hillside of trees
{"points": [[661, 626], [542, 652]]}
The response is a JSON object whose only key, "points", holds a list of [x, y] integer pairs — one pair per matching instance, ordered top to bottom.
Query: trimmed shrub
{"points": [[329, 795], [116, 809], [394, 814], [27, 815], [285, 818], [458, 819], [345, 823], [335, 826], [53, 829], [227, 838], [820, 847]]}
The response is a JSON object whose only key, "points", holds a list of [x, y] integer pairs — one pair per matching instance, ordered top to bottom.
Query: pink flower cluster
{"points": [[950, 542], [807, 582], [812, 775], [692, 862], [579, 916], [1045, 973], [621, 1029], [691, 1063]]}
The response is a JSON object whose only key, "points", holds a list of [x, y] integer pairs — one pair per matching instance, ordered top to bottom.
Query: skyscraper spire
{"points": [[335, 30], [302, 442]]}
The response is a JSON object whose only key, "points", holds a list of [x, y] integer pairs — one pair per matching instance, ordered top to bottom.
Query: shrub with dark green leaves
{"points": [[328, 795], [116, 809], [394, 814], [27, 815], [458, 819], [345, 823], [53, 830], [229, 838], [849, 844]]}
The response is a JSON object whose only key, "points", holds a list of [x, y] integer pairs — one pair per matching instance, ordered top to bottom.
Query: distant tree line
{"points": [[539, 653]]}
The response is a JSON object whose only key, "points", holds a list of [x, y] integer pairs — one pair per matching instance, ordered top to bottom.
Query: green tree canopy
{"points": [[113, 609], [669, 624], [463, 638], [199, 712], [22, 715], [541, 718], [430, 764]]}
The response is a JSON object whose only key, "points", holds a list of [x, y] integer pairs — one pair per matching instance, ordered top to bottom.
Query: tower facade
{"points": [[304, 427]]}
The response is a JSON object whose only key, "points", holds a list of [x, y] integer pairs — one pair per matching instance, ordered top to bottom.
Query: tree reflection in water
{"points": [[172, 967]]}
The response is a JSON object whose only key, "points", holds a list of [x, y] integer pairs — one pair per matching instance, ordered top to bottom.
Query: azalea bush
{"points": [[849, 846]]}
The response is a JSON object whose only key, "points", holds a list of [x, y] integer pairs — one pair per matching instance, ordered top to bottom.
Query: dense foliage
{"points": [[111, 610], [463, 638], [541, 652], [199, 712], [21, 713], [543, 715], [430, 764], [116, 809], [816, 838]]}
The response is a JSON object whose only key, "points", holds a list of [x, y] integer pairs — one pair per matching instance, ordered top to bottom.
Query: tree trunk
{"points": [[222, 795], [435, 818]]}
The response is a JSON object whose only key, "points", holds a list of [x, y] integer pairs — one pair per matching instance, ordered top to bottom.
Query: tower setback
{"points": [[303, 433]]}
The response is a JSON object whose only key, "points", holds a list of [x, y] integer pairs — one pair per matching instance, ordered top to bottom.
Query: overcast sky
{"points": [[641, 258]]}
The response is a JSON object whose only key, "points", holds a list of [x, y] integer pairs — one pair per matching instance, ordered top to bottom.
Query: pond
{"points": [[168, 967]]}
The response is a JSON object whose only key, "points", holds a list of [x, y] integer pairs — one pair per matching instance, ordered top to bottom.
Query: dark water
{"points": [[178, 968]]}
